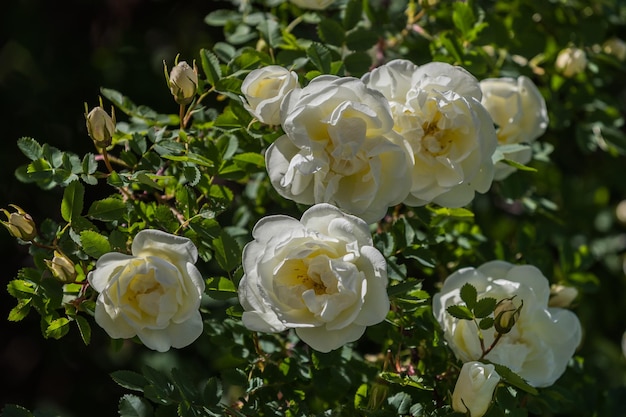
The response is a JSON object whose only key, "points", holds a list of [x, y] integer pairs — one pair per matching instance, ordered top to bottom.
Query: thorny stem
{"points": [[490, 348]]}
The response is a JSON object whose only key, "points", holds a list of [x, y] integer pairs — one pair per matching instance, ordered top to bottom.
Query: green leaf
{"points": [[352, 14], [221, 17], [463, 17], [270, 31], [331, 32], [361, 39], [320, 57], [358, 63], [210, 66], [30, 147], [191, 158], [252, 158], [519, 166], [72, 204], [108, 209], [459, 213], [94, 244], [227, 251], [20, 288], [221, 288], [469, 295], [485, 307], [21, 310], [460, 312], [486, 323], [58, 328], [84, 328], [514, 379], [130, 380], [213, 391], [134, 406], [12, 410]]}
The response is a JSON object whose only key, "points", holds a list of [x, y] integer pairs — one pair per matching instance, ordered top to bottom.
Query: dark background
{"points": [[54, 57]]}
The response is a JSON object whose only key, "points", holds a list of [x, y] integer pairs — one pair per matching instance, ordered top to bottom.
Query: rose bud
{"points": [[183, 83], [100, 126], [20, 224], [62, 267]]}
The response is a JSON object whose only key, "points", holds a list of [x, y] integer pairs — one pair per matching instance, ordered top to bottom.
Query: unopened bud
{"points": [[615, 47], [571, 61], [183, 83], [100, 127], [20, 224], [62, 267], [562, 296], [506, 315]]}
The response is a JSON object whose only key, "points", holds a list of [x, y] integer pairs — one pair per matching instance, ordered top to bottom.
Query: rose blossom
{"points": [[313, 4], [264, 89], [437, 110], [519, 110], [339, 147], [320, 275], [153, 294], [543, 338], [474, 388]]}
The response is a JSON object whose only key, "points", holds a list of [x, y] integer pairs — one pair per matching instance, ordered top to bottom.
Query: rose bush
{"points": [[313, 4], [264, 89], [437, 110], [519, 110], [339, 147], [320, 275], [153, 294], [541, 342], [474, 388]]}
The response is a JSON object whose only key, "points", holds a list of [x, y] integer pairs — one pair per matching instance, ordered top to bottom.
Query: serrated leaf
{"points": [[352, 14], [221, 17], [270, 31], [331, 32], [361, 39], [320, 57], [358, 63], [210, 66], [30, 148], [253, 158], [192, 175], [72, 203], [108, 209], [94, 244], [227, 251], [19, 287], [469, 295], [485, 307], [21, 310], [460, 312], [486, 323], [58, 328], [84, 328], [514, 379], [130, 380], [213, 391], [134, 406]]}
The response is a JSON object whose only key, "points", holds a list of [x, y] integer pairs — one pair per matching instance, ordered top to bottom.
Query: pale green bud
{"points": [[183, 83], [100, 127], [20, 224], [62, 267], [506, 315]]}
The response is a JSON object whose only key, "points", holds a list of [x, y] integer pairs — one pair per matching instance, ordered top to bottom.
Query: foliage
{"points": [[199, 172]]}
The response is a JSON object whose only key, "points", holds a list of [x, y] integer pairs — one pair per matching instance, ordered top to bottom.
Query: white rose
{"points": [[313, 4], [615, 47], [571, 61], [264, 89], [519, 110], [451, 135], [339, 147], [320, 275], [153, 294], [562, 295], [542, 340], [474, 388]]}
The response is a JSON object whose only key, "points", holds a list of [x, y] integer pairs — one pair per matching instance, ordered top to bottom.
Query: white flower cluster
{"points": [[399, 134]]}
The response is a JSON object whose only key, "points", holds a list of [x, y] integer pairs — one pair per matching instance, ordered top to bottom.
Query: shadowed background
{"points": [[53, 58]]}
